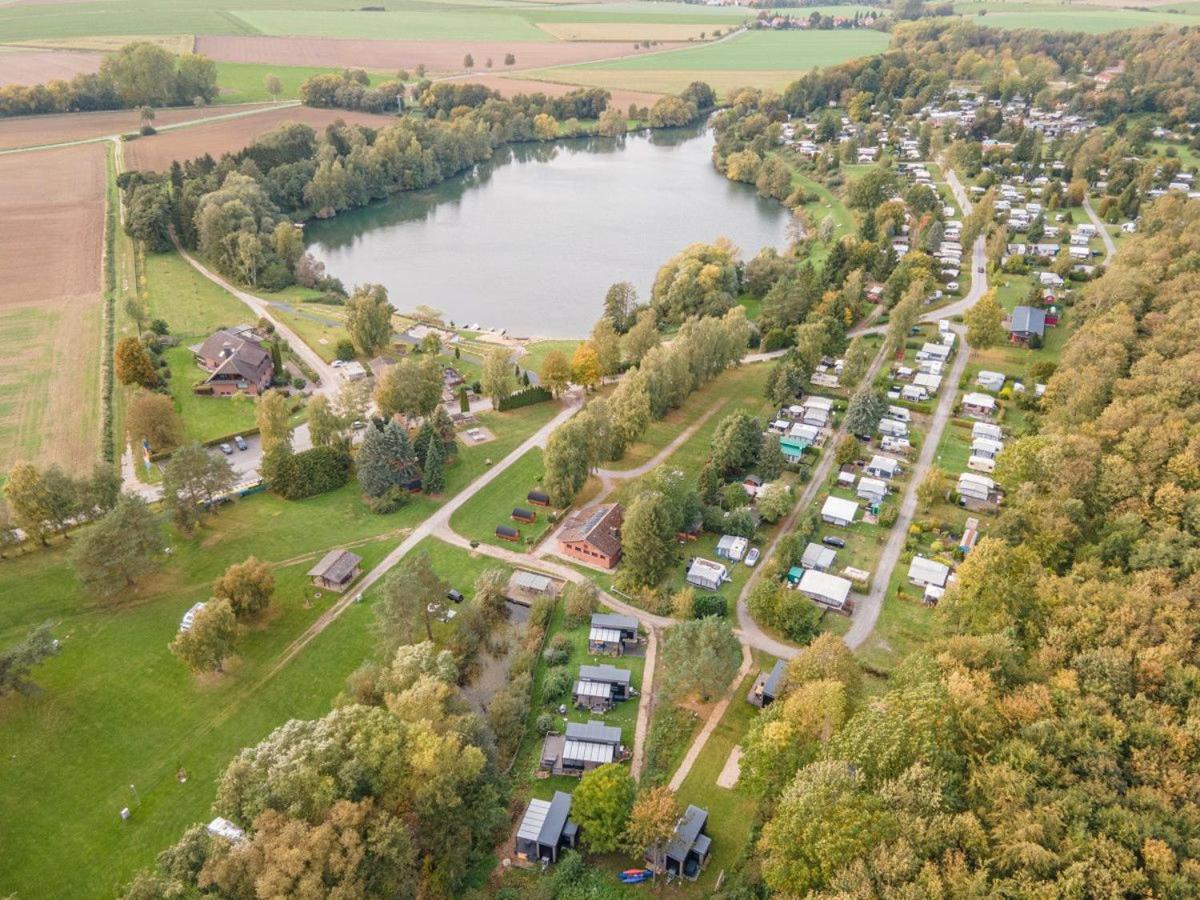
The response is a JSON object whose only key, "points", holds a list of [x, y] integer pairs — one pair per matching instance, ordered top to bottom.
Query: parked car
{"points": [[358, 425], [240, 442], [225, 448], [830, 541], [752, 556]]}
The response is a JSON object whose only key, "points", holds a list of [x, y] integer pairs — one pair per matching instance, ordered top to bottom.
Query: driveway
{"points": [[1110, 247]]}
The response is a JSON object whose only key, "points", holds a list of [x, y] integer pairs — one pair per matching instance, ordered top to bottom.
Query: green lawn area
{"points": [[1054, 17], [796, 51], [246, 82], [192, 305], [319, 325], [536, 352], [737, 387], [205, 418], [477, 519], [116, 709], [730, 811]]}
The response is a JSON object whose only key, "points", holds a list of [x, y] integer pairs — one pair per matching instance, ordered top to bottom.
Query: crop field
{"points": [[1093, 18], [473, 25], [628, 31], [174, 43], [796, 51], [390, 55], [752, 59], [21, 66], [246, 82], [511, 85], [35, 131], [228, 135], [51, 236]]}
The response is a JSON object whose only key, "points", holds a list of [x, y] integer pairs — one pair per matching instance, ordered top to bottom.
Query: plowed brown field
{"points": [[437, 56], [19, 66], [509, 86], [33, 131], [226, 136], [51, 238]]}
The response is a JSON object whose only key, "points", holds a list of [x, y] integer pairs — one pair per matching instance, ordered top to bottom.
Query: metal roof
{"points": [[1026, 319], [839, 508], [817, 556], [929, 571], [531, 581], [828, 588], [614, 620], [606, 635], [604, 673], [773, 683], [602, 689], [594, 731], [587, 752], [546, 820]]}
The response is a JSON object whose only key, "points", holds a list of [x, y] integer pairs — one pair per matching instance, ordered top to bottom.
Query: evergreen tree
{"points": [[865, 410], [374, 464], [434, 474], [648, 541], [119, 548]]}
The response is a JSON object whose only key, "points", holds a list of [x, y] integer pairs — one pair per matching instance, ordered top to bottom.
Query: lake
{"points": [[531, 240]]}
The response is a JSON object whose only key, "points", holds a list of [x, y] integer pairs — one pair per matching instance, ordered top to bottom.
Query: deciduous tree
{"points": [[369, 319], [985, 321], [133, 363], [556, 372], [497, 378], [192, 479], [248, 586], [404, 607], [212, 637], [700, 658], [18, 660], [601, 806], [652, 823]]}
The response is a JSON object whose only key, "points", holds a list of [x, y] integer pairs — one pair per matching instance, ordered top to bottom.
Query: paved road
{"points": [[1110, 247], [328, 381], [866, 613], [750, 631]]}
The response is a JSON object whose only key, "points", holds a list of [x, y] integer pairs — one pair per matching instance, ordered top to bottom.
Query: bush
{"points": [[147, 130], [344, 350], [709, 605], [556, 656], [556, 684], [546, 723]]}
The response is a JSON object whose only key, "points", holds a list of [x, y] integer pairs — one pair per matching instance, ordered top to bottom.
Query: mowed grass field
{"points": [[1091, 18], [764, 59], [246, 82], [52, 207]]}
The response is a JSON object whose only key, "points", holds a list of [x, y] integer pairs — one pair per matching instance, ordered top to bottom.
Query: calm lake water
{"points": [[531, 240]]}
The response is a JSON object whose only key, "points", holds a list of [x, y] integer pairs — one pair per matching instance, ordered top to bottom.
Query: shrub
{"points": [[344, 350], [527, 397], [709, 605], [556, 656], [556, 683], [546, 723]]}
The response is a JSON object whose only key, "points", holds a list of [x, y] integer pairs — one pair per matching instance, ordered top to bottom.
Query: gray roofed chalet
{"points": [[336, 570]]}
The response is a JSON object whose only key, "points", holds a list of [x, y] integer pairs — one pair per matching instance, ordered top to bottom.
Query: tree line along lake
{"points": [[531, 240]]}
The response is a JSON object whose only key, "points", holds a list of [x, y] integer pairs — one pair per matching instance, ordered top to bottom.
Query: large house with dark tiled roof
{"points": [[236, 361]]}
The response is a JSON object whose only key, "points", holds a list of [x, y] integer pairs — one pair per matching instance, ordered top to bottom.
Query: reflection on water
{"points": [[531, 240]]}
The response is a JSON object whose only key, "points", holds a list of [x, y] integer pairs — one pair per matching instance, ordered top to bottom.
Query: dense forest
{"points": [[926, 57], [1048, 746]]}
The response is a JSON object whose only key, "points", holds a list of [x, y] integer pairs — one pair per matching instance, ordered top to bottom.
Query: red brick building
{"points": [[593, 536]]}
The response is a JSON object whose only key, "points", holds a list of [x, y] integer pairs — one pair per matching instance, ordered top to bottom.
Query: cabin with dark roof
{"points": [[538, 498], [527, 516], [507, 533], [593, 536], [336, 570], [610, 633], [768, 686], [599, 688], [588, 746], [546, 829], [689, 848]]}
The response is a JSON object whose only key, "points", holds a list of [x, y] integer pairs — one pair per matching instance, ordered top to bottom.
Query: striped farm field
{"points": [[628, 31], [796, 51], [663, 81]]}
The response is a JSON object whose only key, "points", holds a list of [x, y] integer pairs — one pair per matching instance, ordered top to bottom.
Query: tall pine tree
{"points": [[433, 476]]}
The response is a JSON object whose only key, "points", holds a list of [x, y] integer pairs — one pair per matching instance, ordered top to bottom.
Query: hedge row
{"points": [[527, 397]]}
